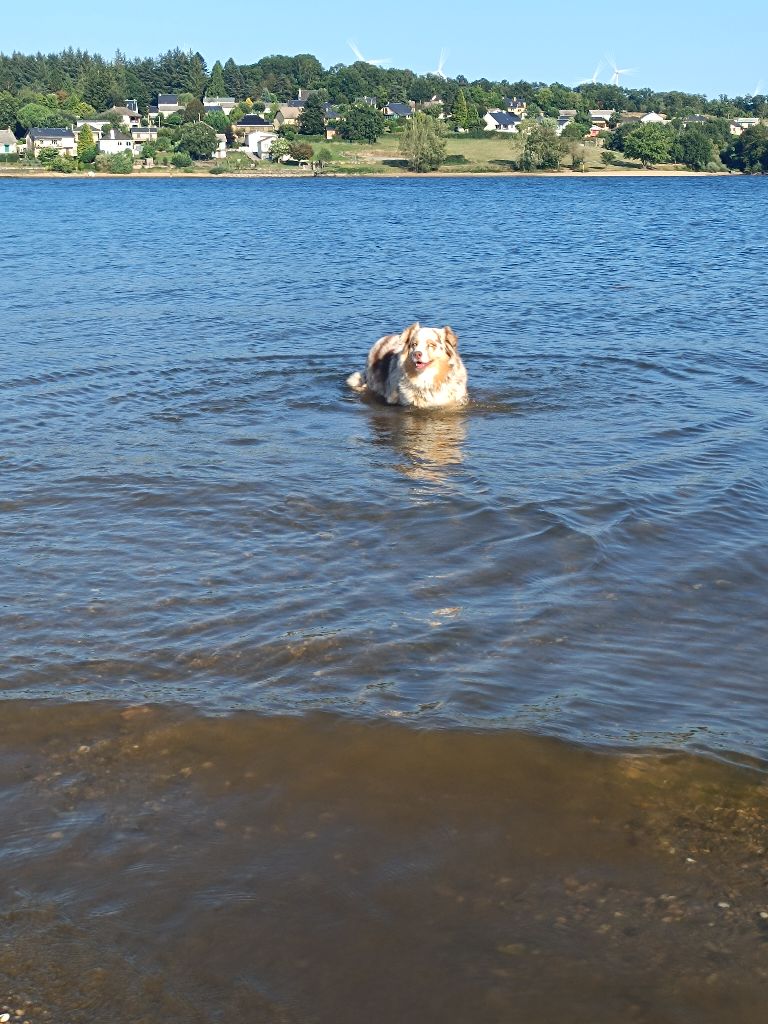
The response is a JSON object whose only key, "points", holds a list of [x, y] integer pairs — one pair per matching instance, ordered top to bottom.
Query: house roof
{"points": [[168, 99], [216, 100], [513, 101], [290, 109], [399, 109], [122, 111], [330, 112], [567, 113], [603, 114], [503, 118], [253, 121], [51, 133], [116, 137], [7, 138]]}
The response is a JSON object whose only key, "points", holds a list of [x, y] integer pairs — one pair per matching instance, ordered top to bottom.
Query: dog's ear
{"points": [[409, 332], [450, 338]]}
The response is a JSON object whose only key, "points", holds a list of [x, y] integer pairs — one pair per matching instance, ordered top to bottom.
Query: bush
{"points": [[324, 155], [456, 158], [181, 160], [116, 163], [64, 164]]}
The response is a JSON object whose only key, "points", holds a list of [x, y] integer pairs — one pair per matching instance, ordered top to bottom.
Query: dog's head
{"points": [[425, 346]]}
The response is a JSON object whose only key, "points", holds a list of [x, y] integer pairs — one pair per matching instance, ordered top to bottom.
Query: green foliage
{"points": [[216, 86], [9, 106], [194, 110], [460, 111], [35, 115], [312, 117], [218, 121], [362, 124], [573, 131], [198, 140], [85, 141], [422, 143], [649, 143], [694, 147], [280, 148], [543, 149], [301, 151], [749, 152], [47, 155], [324, 155], [456, 158], [182, 159], [115, 163], [63, 164]]}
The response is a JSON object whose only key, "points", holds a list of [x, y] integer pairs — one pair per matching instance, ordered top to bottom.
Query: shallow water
{"points": [[198, 517]]}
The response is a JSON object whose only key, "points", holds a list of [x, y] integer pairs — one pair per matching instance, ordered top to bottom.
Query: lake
{"points": [[316, 709]]}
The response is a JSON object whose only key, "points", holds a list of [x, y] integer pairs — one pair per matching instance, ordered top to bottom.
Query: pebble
{"points": [[724, 906], [4, 1017]]}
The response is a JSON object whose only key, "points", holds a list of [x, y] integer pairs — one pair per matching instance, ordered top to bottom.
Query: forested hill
{"points": [[81, 77]]}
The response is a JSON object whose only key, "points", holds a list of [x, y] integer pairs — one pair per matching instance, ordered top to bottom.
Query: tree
{"points": [[216, 86], [9, 106], [194, 110], [460, 112], [35, 115], [312, 117], [362, 124], [574, 131], [198, 140], [84, 141], [422, 143], [649, 143], [694, 148], [279, 149], [543, 149], [301, 151], [750, 151], [181, 159]]}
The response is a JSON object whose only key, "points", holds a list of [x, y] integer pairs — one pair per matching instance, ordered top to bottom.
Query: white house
{"points": [[168, 103], [224, 103], [127, 116], [653, 118], [501, 121], [96, 124], [740, 124], [61, 139], [115, 142], [8, 143], [259, 143], [221, 146]]}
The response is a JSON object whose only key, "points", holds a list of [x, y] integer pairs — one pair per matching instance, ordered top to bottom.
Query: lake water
{"points": [[314, 709]]}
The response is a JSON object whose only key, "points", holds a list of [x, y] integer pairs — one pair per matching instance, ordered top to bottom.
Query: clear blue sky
{"points": [[673, 45]]}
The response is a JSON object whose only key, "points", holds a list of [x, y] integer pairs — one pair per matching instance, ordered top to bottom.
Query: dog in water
{"points": [[420, 367]]}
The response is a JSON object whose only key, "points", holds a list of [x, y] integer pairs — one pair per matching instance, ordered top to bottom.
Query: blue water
{"points": [[195, 510]]}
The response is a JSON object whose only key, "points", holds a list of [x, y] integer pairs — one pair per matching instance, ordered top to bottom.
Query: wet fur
{"points": [[393, 373]]}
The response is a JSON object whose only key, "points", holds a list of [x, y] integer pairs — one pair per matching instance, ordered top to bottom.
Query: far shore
{"points": [[33, 174]]}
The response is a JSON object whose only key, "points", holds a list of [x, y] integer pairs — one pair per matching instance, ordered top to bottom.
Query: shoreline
{"points": [[607, 172]]}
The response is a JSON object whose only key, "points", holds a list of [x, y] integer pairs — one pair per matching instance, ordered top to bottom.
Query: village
{"points": [[124, 130]]}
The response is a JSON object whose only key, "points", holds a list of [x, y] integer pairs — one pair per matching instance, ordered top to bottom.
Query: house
{"points": [[366, 101], [168, 103], [226, 104], [132, 105], [514, 105], [397, 110], [287, 113], [331, 113], [127, 116], [653, 118], [694, 119], [501, 121], [600, 121], [253, 122], [96, 124], [740, 124], [140, 135], [61, 139], [8, 142], [115, 142], [259, 143]]}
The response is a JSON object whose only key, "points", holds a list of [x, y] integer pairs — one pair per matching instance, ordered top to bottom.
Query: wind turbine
{"points": [[376, 63], [439, 70], [618, 72], [593, 79], [758, 90]]}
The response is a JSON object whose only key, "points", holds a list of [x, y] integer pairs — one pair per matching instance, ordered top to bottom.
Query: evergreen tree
{"points": [[234, 83], [216, 86], [460, 111], [312, 117], [84, 141]]}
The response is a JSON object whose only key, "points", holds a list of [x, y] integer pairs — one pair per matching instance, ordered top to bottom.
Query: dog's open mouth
{"points": [[421, 364]]}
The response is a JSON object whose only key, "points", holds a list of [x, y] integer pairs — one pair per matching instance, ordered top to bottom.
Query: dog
{"points": [[420, 367]]}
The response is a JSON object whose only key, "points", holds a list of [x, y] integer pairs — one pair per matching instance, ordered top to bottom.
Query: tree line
{"points": [[99, 83]]}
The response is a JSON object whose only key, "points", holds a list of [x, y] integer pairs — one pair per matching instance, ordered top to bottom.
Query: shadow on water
{"points": [[427, 444]]}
